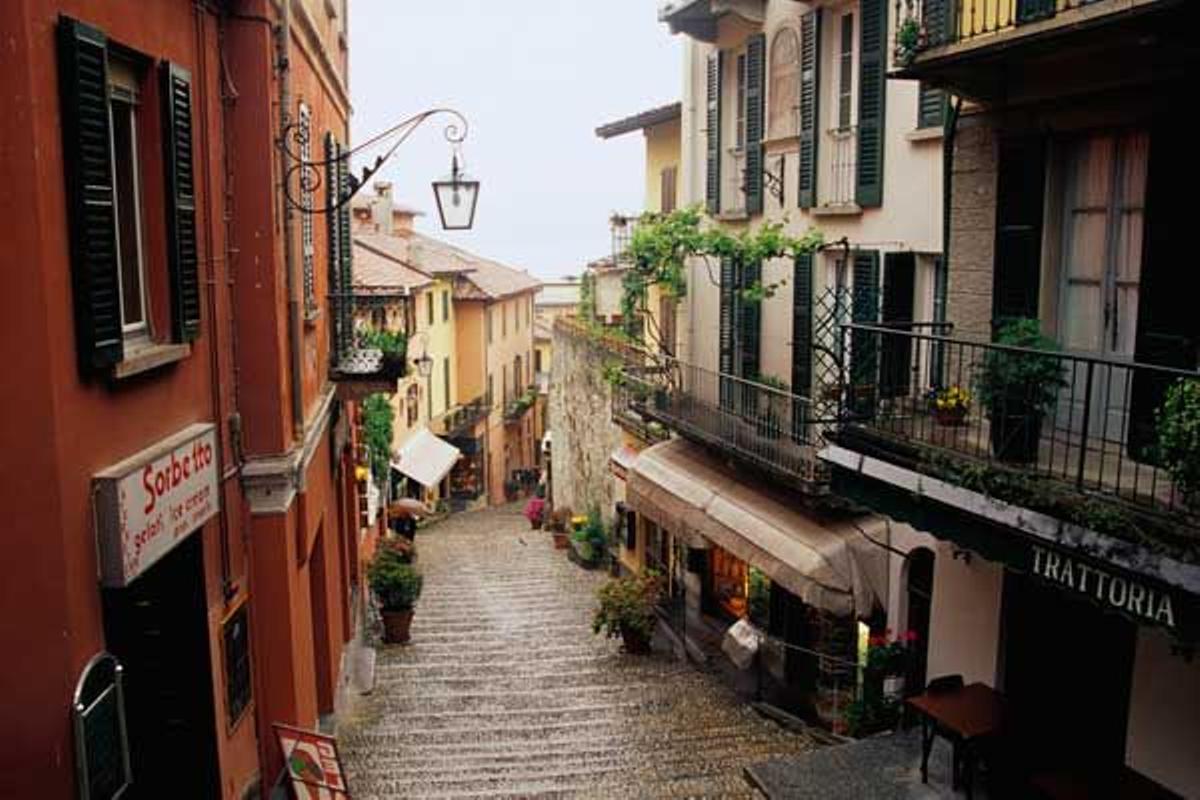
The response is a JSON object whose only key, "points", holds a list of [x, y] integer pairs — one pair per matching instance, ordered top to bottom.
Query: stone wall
{"points": [[972, 229], [583, 433]]}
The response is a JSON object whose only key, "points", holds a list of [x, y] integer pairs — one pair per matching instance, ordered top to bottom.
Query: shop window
{"points": [[727, 579], [235, 637]]}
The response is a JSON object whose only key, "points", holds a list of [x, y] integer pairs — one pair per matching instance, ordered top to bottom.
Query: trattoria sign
{"points": [[149, 502], [1120, 591]]}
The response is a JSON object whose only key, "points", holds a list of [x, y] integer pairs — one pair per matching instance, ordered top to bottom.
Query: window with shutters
{"points": [[123, 84], [845, 96], [783, 103], [931, 107], [739, 130], [307, 248], [446, 306], [429, 316], [489, 324], [446, 383]]}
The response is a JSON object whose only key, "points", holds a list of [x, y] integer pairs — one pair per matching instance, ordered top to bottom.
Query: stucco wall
{"points": [[662, 151], [584, 435], [964, 625], [1164, 715]]}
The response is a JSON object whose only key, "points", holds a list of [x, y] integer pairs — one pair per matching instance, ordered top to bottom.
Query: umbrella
{"points": [[408, 507]]}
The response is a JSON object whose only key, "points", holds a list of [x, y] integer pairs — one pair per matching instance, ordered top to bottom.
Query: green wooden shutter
{"points": [[1033, 10], [936, 19], [756, 50], [810, 52], [872, 94], [931, 107], [87, 162], [712, 185], [333, 237], [182, 258], [749, 324], [802, 324], [726, 335], [864, 346]]}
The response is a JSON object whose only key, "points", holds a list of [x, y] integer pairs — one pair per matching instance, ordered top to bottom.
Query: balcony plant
{"points": [[394, 347], [1018, 388], [950, 405], [1179, 438], [396, 585], [627, 610]]}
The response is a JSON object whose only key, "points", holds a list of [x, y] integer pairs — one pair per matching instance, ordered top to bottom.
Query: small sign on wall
{"points": [[148, 503]]}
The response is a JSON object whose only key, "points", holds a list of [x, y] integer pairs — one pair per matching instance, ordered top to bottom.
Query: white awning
{"points": [[425, 458], [826, 562]]}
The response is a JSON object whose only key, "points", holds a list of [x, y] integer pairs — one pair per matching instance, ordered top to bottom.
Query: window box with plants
{"points": [[393, 346], [1019, 384], [397, 585], [627, 609]]}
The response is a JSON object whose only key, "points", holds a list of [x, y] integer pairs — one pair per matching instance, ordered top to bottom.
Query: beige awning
{"points": [[425, 458], [827, 563]]}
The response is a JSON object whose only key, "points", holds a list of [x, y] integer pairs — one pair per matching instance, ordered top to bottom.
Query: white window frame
{"points": [[845, 82], [122, 91]]}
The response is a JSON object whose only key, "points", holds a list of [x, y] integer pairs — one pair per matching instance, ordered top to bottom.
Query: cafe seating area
{"points": [[957, 740]]}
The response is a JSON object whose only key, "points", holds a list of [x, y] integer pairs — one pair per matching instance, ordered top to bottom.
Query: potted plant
{"points": [[908, 40], [394, 347], [1018, 387], [950, 405], [1178, 422], [511, 490], [535, 510], [559, 519], [589, 541], [396, 585], [627, 610], [878, 706]]}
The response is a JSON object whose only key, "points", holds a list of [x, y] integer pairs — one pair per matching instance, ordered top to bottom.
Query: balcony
{"points": [[1008, 49], [838, 191], [366, 357], [515, 409], [461, 420], [762, 426], [1047, 441]]}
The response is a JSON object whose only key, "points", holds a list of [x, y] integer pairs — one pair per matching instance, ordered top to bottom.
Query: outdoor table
{"points": [[965, 716]]}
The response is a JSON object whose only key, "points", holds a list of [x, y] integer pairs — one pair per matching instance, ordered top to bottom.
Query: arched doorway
{"points": [[919, 590]]}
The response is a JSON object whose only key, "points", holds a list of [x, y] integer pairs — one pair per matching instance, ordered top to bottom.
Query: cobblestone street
{"points": [[505, 692]]}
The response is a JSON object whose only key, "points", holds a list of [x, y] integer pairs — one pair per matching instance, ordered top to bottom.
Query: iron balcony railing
{"points": [[923, 24], [843, 156], [628, 402], [954, 407], [516, 408], [462, 419], [761, 425]]}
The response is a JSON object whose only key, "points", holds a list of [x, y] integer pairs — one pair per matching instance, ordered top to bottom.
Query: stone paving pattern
{"points": [[505, 692]]}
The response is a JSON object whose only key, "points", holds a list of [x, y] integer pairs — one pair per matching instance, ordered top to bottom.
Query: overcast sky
{"points": [[534, 78]]}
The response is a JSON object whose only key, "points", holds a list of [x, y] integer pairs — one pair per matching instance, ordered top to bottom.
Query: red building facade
{"points": [[177, 467]]}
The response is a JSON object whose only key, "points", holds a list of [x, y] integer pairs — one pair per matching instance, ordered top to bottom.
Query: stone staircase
{"points": [[505, 692]]}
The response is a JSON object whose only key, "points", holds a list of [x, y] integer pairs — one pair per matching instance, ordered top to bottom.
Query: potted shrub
{"points": [[394, 347], [1018, 388], [950, 405], [1178, 422], [535, 510], [559, 519], [589, 539], [396, 585], [627, 610]]}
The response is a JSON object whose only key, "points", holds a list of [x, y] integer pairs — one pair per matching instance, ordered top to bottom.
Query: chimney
{"points": [[381, 207], [402, 221]]}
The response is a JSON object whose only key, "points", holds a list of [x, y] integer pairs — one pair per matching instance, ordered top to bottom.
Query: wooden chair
{"points": [[944, 684]]}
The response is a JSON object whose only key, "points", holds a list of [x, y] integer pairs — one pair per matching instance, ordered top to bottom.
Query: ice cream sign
{"points": [[151, 501]]}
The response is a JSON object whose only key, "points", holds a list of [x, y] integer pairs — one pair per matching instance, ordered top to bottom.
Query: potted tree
{"points": [[1018, 388], [396, 585], [627, 610]]}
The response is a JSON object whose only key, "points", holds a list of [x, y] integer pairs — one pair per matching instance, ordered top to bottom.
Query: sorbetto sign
{"points": [[151, 501]]}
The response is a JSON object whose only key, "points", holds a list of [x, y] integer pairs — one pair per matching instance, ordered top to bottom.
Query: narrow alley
{"points": [[504, 691]]}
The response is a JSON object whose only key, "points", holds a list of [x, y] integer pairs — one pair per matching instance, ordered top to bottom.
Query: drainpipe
{"points": [[283, 48], [949, 131]]}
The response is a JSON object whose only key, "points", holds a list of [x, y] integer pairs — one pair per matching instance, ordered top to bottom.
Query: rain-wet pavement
{"points": [[505, 692]]}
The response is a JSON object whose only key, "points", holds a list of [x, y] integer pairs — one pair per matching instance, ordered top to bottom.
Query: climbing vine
{"points": [[662, 244], [587, 297], [378, 416]]}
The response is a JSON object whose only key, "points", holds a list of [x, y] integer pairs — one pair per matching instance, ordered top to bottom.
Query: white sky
{"points": [[534, 78]]}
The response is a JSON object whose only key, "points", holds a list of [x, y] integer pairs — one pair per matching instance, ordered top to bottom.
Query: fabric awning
{"points": [[425, 458], [825, 562]]}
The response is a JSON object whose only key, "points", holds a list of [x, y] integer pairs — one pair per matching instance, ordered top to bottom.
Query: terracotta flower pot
{"points": [[950, 416], [536, 524], [561, 540], [396, 626], [635, 642]]}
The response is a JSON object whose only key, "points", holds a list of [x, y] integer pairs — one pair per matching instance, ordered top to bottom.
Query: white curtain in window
{"points": [[783, 102]]}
